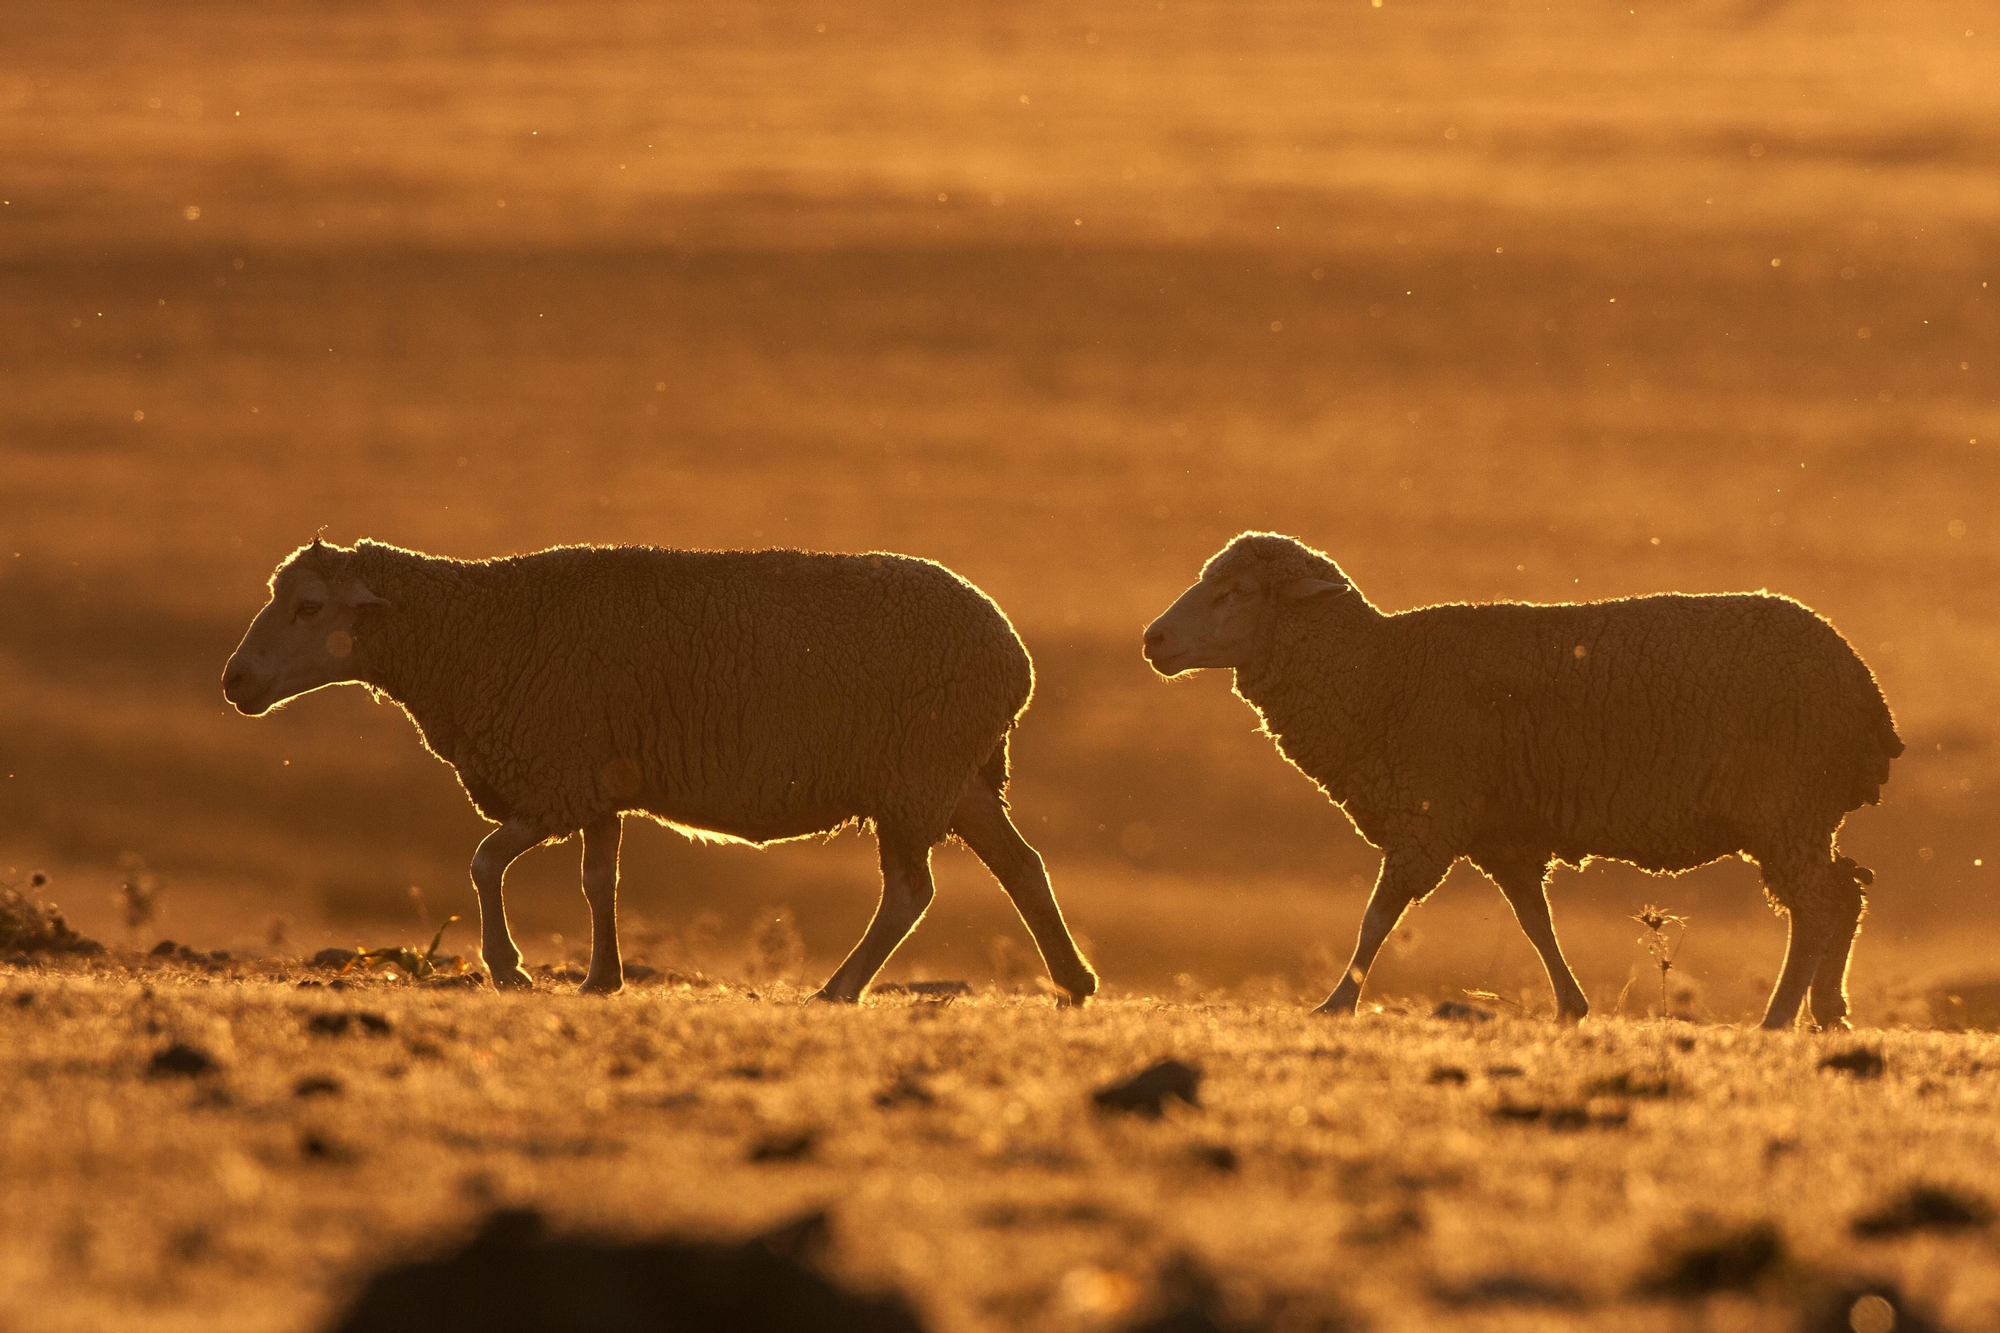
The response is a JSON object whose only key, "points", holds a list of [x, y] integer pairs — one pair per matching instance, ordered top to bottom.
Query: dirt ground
{"points": [[1392, 1172]]}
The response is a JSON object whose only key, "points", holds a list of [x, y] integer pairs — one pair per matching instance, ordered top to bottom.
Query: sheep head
{"points": [[1230, 616], [304, 638]]}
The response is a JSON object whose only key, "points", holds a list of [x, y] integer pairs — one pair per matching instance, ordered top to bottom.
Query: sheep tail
{"points": [[994, 771]]}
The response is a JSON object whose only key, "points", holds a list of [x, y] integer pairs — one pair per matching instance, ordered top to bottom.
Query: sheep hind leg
{"points": [[981, 822], [498, 850], [1405, 877], [600, 887], [1526, 888], [1806, 888], [906, 893], [1801, 958], [1829, 983]]}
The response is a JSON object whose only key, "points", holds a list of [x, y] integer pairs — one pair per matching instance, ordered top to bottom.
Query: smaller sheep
{"points": [[753, 696], [1665, 731]]}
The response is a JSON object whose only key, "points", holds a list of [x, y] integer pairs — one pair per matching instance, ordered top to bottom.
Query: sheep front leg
{"points": [[981, 822], [497, 851], [1405, 877], [600, 886], [1526, 887], [906, 893]]}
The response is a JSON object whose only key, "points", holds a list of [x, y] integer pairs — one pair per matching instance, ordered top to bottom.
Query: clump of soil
{"points": [[30, 926], [1146, 1092], [1924, 1207], [1709, 1259], [513, 1275]]}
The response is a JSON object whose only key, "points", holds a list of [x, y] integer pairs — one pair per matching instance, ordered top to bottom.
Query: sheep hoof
{"points": [[512, 978], [593, 986], [828, 997], [1068, 999], [1339, 1005], [1572, 1014], [1836, 1025]]}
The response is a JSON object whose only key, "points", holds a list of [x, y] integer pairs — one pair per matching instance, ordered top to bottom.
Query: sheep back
{"points": [[757, 695]]}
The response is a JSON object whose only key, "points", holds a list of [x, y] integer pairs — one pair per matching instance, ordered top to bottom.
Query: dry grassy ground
{"points": [[1365, 1173]]}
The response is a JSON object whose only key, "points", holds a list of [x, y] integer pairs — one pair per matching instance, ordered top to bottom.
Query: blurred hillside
{"points": [[1489, 301]]}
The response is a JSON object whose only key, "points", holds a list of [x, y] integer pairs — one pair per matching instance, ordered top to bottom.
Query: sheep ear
{"points": [[1298, 590], [357, 594]]}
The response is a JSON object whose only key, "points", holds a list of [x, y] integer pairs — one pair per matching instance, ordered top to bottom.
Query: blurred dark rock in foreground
{"points": [[514, 1276]]}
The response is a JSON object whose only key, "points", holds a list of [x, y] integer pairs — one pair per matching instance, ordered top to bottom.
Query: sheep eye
{"points": [[307, 610]]}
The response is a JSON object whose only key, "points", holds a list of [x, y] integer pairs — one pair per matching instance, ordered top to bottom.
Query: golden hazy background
{"points": [[1488, 300]]}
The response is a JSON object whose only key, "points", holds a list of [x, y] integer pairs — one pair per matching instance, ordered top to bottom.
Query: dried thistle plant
{"points": [[138, 892], [1663, 948], [776, 949]]}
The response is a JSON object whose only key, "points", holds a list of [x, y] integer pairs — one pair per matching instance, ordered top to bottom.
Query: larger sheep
{"points": [[750, 695], [1665, 731]]}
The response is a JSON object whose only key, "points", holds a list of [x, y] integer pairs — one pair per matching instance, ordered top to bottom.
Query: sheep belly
{"points": [[755, 827]]}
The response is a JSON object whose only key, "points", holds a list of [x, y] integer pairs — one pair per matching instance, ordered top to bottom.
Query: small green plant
{"points": [[1658, 944], [415, 965], [1495, 997]]}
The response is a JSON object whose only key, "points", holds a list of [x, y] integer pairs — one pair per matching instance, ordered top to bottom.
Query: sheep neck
{"points": [[414, 649], [1312, 688]]}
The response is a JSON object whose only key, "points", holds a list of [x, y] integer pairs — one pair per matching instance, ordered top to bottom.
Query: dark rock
{"points": [[164, 949], [334, 958], [638, 972], [463, 981], [1462, 1013], [338, 1024], [183, 1060], [1859, 1061], [1447, 1074], [1625, 1083], [318, 1085], [907, 1090], [1146, 1092], [1562, 1117], [317, 1147], [792, 1147], [1215, 1156], [1924, 1207], [1712, 1259], [514, 1276], [1517, 1290], [1189, 1299]]}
